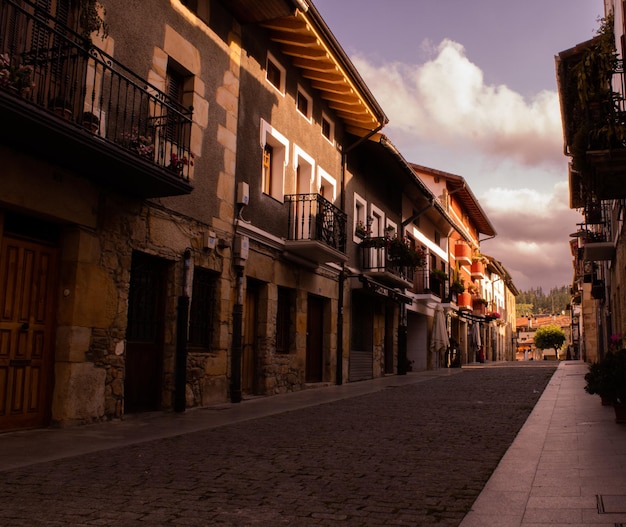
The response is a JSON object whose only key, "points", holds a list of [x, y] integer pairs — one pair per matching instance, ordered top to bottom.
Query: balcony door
{"points": [[305, 208]]}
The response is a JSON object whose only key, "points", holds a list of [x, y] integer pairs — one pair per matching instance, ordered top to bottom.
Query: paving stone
{"points": [[413, 455]]}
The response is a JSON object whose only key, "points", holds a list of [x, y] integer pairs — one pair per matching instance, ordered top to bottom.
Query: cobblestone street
{"points": [[413, 455]]}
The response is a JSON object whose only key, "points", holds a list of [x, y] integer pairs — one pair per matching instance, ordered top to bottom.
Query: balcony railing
{"points": [[60, 76], [595, 132], [313, 218], [377, 257], [427, 282]]}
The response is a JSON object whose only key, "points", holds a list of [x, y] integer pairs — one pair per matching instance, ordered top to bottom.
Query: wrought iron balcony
{"points": [[66, 101], [594, 123], [316, 229], [594, 241], [379, 262], [431, 286]]}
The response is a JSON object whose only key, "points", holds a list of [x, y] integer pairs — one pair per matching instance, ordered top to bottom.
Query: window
{"points": [[199, 7], [275, 73], [174, 87], [304, 103], [328, 129], [275, 154], [304, 165], [267, 168], [327, 185], [360, 218], [378, 221], [391, 229], [433, 262], [285, 310], [201, 312]]}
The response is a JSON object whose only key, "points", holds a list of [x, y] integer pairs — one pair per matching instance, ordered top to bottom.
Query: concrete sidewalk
{"points": [[566, 467]]}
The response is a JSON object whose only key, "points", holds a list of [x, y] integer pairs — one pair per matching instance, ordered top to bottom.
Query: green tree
{"points": [[523, 310], [550, 337]]}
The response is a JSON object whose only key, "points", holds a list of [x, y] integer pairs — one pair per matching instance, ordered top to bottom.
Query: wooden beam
{"points": [[286, 24], [296, 39], [304, 52], [316, 65], [333, 78], [333, 88], [354, 108], [359, 118], [359, 131]]}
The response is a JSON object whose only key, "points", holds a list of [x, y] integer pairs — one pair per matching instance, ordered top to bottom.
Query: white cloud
{"points": [[446, 100], [507, 147], [533, 234]]}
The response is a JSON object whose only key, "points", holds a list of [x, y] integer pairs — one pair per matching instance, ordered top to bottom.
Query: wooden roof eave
{"points": [[314, 50]]}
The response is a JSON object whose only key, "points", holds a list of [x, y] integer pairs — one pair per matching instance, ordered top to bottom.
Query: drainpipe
{"points": [[342, 273], [182, 325], [237, 342]]}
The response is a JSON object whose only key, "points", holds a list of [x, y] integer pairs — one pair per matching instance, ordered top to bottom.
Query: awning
{"points": [[382, 290], [470, 316]]}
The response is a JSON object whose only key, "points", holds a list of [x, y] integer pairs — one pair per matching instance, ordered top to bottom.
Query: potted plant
{"points": [[91, 19], [17, 79], [61, 106], [91, 122], [143, 145], [178, 163], [361, 230], [399, 250], [439, 275], [457, 286], [479, 305], [607, 378], [596, 382]]}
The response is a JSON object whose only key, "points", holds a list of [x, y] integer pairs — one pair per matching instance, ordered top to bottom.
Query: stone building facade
{"points": [[180, 210]]}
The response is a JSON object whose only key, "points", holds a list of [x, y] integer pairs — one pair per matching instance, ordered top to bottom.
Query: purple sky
{"points": [[470, 88]]}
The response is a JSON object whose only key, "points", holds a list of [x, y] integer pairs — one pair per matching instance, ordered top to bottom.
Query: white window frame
{"points": [[283, 73], [302, 92], [330, 139], [280, 146], [300, 157], [324, 176], [359, 214], [378, 221], [394, 226]]}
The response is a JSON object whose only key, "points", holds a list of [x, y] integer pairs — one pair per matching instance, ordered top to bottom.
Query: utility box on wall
{"points": [[243, 193], [241, 247]]}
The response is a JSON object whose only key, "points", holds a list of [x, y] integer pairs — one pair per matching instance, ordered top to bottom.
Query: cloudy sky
{"points": [[470, 88]]}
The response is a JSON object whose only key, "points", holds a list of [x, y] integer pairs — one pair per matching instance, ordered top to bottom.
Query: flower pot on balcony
{"points": [[61, 107], [91, 122], [463, 253], [478, 269], [464, 301], [479, 306]]}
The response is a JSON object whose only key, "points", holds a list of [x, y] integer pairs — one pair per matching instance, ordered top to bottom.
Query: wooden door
{"points": [[28, 274], [144, 334], [315, 340], [249, 357]]}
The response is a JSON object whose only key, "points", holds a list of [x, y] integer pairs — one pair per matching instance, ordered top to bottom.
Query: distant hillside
{"points": [[536, 302]]}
